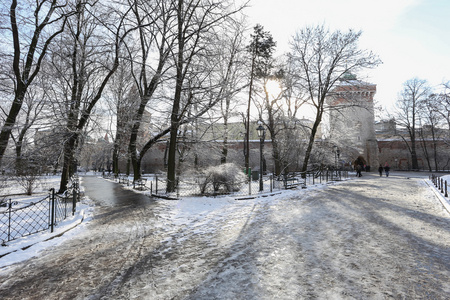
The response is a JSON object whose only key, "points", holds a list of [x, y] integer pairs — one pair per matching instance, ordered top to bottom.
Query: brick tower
{"points": [[351, 121]]}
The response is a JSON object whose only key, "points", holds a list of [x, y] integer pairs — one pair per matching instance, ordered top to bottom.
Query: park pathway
{"points": [[108, 193], [368, 238]]}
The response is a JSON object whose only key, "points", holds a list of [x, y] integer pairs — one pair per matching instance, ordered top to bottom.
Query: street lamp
{"points": [[262, 134], [337, 153]]}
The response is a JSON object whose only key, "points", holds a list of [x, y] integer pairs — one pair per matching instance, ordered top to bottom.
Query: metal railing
{"points": [[440, 184], [156, 185], [17, 222]]}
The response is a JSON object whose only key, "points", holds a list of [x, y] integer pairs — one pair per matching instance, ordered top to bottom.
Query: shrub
{"points": [[27, 176], [224, 178]]}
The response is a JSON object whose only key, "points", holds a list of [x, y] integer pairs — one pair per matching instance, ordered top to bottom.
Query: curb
{"points": [[258, 196], [441, 198]]}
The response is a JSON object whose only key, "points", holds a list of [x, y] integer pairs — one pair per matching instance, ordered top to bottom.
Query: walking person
{"points": [[386, 169], [358, 170], [380, 170]]}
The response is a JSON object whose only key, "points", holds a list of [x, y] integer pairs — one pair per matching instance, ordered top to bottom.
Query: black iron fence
{"points": [[440, 184], [201, 186], [18, 220]]}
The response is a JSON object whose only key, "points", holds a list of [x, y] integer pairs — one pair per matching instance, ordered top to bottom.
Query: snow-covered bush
{"points": [[27, 176], [224, 178]]}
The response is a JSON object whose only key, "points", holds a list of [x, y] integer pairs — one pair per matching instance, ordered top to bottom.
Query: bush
{"points": [[27, 176], [224, 178]]}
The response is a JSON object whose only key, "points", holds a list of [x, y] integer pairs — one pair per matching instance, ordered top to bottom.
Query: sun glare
{"points": [[273, 88]]}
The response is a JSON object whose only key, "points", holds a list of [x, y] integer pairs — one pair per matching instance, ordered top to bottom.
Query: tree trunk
{"points": [[11, 119], [247, 135], [311, 142], [132, 147], [434, 149], [425, 150], [116, 157], [223, 157], [276, 157], [171, 161], [415, 164], [128, 165], [67, 170]]}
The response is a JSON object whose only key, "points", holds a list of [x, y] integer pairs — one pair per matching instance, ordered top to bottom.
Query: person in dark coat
{"points": [[386, 169], [358, 170], [380, 170]]}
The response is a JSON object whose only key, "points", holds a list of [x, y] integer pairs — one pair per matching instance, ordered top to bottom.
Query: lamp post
{"points": [[262, 134], [337, 154]]}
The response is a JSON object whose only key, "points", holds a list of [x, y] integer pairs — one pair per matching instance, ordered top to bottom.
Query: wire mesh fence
{"points": [[201, 185], [18, 219], [23, 221]]}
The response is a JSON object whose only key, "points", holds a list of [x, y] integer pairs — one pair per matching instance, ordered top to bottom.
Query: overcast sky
{"points": [[410, 36]]}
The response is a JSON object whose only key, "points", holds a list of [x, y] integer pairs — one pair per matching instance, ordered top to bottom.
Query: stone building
{"points": [[351, 121], [432, 147]]}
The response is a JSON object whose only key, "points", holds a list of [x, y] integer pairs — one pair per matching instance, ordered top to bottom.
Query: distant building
{"points": [[351, 121], [432, 146]]}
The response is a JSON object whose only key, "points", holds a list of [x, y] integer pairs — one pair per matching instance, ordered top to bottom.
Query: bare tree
{"points": [[195, 21], [156, 25], [32, 29], [261, 49], [320, 58], [86, 60], [232, 66], [415, 92], [122, 107], [444, 107], [278, 108], [32, 112], [272, 114], [431, 119]]}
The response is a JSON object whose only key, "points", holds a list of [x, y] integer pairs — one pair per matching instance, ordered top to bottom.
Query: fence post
{"points": [[271, 182], [156, 185], [446, 193], [74, 199], [65, 206], [52, 212], [9, 221]]}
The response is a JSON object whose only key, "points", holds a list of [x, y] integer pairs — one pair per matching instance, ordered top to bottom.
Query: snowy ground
{"points": [[368, 238], [35, 243]]}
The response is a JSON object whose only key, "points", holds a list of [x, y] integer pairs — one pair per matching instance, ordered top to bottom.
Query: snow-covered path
{"points": [[369, 238]]}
